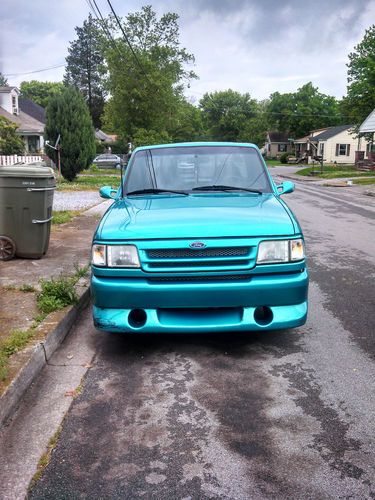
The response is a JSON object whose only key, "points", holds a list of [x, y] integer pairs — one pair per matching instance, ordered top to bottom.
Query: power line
{"points": [[104, 26], [128, 42], [35, 71]]}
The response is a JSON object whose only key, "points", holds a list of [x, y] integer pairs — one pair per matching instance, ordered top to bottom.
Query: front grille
{"points": [[188, 253], [182, 259], [202, 263], [198, 279]]}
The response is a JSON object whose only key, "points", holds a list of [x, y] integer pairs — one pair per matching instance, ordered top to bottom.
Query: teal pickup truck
{"points": [[198, 239]]}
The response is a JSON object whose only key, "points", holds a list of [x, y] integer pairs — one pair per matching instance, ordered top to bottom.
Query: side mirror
{"points": [[286, 187], [108, 192]]}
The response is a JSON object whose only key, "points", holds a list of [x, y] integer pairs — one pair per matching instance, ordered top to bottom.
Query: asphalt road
{"points": [[280, 415]]}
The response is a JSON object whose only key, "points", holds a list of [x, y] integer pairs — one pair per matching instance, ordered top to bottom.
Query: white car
{"points": [[108, 161]]}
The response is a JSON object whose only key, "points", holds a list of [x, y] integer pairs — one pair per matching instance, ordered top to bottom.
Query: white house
{"points": [[28, 116], [368, 126], [335, 144]]}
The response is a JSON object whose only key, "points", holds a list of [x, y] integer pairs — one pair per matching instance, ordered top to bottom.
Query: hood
{"points": [[195, 216]]}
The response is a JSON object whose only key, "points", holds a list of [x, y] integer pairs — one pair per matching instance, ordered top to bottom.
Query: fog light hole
{"points": [[263, 315], [137, 318]]}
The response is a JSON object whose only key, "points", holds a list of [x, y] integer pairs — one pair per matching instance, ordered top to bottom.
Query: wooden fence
{"points": [[12, 159]]}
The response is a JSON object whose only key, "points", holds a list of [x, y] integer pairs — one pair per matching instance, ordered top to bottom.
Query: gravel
{"points": [[77, 200]]}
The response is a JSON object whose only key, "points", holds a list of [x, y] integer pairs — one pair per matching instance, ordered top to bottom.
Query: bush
{"points": [[67, 114], [10, 142], [284, 158]]}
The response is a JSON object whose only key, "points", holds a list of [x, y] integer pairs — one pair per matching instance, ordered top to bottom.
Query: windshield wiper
{"points": [[219, 187], [156, 191]]}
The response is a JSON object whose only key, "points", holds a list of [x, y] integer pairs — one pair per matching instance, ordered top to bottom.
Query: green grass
{"points": [[273, 163], [102, 171], [334, 172], [364, 181], [89, 183], [63, 216], [16, 341]]}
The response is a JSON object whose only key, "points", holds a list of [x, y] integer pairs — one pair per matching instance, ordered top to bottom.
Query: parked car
{"points": [[107, 161], [198, 239]]}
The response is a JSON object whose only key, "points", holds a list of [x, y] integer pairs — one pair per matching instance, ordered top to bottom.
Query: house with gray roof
{"points": [[27, 115], [276, 144], [335, 144]]}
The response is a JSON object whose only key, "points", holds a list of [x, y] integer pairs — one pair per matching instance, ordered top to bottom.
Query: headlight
{"points": [[272, 252], [115, 256], [123, 256]]}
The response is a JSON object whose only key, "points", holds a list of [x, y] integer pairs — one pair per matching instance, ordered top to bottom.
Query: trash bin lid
{"points": [[26, 171]]}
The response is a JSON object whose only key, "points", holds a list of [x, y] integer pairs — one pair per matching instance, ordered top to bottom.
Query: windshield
{"points": [[188, 168]]}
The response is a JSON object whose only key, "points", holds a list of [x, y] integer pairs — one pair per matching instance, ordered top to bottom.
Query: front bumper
{"points": [[201, 307], [199, 321]]}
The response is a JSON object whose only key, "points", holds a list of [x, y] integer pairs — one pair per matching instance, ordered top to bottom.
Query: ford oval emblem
{"points": [[196, 245]]}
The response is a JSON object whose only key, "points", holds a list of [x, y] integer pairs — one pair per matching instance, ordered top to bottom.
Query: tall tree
{"points": [[85, 68], [3, 80], [146, 83], [40, 92], [360, 99], [300, 112], [226, 113], [67, 114], [256, 128], [10, 142]]}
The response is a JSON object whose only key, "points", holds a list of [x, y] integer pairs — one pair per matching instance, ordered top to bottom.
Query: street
{"points": [[287, 414]]}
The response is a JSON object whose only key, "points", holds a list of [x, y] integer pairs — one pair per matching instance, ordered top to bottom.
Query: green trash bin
{"points": [[26, 198]]}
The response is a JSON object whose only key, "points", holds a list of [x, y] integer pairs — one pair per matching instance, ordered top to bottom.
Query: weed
{"points": [[81, 272], [9, 287], [27, 288], [56, 294], [38, 319], [3, 366], [46, 457]]}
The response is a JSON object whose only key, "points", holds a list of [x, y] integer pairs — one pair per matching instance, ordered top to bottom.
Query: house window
{"points": [[33, 144], [281, 148], [370, 148], [321, 149], [342, 149]]}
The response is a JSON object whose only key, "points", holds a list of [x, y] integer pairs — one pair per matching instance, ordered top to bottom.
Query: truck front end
{"points": [[187, 253]]}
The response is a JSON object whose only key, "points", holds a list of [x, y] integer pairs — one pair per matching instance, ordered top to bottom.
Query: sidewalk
{"points": [[290, 173], [69, 250]]}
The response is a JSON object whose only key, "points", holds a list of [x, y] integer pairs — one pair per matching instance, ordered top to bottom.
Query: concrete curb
{"points": [[299, 178], [40, 354]]}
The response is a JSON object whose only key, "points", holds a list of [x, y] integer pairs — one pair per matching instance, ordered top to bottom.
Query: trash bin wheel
{"points": [[7, 248]]}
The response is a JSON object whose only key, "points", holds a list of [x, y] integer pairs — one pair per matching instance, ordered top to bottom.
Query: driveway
{"points": [[281, 415]]}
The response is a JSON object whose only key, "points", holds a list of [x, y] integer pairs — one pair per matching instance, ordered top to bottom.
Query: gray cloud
{"points": [[258, 46]]}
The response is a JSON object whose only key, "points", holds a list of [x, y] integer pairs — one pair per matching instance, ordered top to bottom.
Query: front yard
{"points": [[334, 172], [92, 182]]}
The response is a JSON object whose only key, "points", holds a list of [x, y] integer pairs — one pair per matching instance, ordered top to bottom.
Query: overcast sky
{"points": [[255, 46]]}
